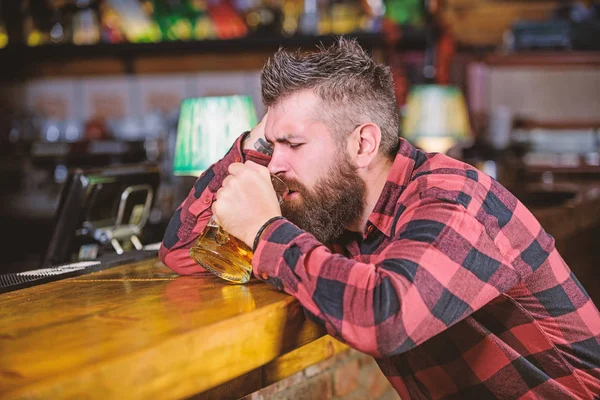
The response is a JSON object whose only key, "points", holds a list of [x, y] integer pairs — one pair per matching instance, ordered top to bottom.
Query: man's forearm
{"points": [[191, 217], [387, 304]]}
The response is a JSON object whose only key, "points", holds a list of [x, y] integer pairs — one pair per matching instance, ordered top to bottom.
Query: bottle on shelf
{"points": [[172, 16], [345, 16], [263, 17], [291, 17], [309, 19], [37, 22], [135, 22], [228, 22], [86, 25], [111, 25], [202, 25], [3, 34]]}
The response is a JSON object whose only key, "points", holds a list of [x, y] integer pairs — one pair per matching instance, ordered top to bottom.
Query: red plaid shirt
{"points": [[453, 287]]}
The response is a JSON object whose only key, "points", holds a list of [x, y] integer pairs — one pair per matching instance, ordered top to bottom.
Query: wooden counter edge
{"points": [[196, 361], [283, 367]]}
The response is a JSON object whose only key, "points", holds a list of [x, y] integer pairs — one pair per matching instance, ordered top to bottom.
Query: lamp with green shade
{"points": [[436, 118], [207, 128]]}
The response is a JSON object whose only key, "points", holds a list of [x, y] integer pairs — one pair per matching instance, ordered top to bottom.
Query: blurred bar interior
{"points": [[98, 85]]}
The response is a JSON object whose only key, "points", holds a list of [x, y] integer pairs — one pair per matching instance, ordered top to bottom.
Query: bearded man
{"points": [[415, 258]]}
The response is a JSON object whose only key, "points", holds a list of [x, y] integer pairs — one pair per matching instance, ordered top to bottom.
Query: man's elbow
{"points": [[162, 254], [179, 261], [387, 340]]}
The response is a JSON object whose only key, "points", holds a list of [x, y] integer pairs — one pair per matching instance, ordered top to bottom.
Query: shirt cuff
{"points": [[235, 154], [220, 168], [272, 247]]}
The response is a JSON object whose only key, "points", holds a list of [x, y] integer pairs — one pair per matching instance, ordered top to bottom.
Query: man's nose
{"points": [[277, 165]]}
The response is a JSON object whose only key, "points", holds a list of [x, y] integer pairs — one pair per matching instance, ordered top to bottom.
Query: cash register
{"points": [[99, 223]]}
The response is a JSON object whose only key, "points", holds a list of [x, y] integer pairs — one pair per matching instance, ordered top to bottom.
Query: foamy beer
{"points": [[225, 255]]}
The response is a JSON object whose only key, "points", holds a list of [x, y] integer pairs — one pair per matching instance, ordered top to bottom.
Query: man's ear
{"points": [[367, 139]]}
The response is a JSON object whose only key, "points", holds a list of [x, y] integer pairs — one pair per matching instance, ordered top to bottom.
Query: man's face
{"points": [[326, 193]]}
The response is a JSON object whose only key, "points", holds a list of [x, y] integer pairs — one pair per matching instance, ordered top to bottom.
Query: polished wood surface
{"points": [[483, 22], [546, 59], [574, 125], [141, 331], [278, 369]]}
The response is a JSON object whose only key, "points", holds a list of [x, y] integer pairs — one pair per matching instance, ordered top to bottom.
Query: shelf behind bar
{"points": [[128, 50], [558, 58], [65, 59], [564, 125]]}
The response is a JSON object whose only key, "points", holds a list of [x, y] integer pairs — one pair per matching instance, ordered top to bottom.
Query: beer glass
{"points": [[225, 255]]}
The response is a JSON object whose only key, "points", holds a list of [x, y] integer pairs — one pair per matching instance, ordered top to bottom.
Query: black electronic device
{"points": [[102, 211]]}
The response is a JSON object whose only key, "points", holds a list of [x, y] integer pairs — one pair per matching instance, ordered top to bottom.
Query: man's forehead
{"points": [[293, 117], [283, 126], [280, 136]]}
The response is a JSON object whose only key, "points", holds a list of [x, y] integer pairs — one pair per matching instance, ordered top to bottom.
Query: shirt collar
{"points": [[383, 215]]}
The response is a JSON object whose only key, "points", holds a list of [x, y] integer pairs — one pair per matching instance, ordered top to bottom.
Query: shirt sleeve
{"points": [[190, 218], [440, 267]]}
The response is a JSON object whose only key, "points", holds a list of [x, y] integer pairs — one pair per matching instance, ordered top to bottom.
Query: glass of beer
{"points": [[225, 255]]}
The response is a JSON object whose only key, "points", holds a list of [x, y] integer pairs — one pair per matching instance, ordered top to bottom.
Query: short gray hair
{"points": [[354, 88]]}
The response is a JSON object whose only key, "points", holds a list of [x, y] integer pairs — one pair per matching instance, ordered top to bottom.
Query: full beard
{"points": [[336, 201]]}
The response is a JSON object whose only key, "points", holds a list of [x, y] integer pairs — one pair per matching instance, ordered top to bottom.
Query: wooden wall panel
{"points": [[483, 22]]}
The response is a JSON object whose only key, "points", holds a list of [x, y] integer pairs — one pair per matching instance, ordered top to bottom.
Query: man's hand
{"points": [[256, 139], [245, 201]]}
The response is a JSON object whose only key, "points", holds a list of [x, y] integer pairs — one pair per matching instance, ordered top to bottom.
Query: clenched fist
{"points": [[256, 139], [245, 201]]}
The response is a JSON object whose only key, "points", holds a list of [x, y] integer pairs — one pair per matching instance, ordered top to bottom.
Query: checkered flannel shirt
{"points": [[453, 286]]}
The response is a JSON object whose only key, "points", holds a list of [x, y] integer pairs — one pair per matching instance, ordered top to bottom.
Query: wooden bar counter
{"points": [[140, 331]]}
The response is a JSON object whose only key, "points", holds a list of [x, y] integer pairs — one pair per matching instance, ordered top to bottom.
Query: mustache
{"points": [[293, 185]]}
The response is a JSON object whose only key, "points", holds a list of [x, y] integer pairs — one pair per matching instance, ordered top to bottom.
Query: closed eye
{"points": [[295, 145]]}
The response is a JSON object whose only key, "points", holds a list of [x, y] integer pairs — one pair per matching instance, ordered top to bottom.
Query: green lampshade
{"points": [[436, 117], [207, 128]]}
